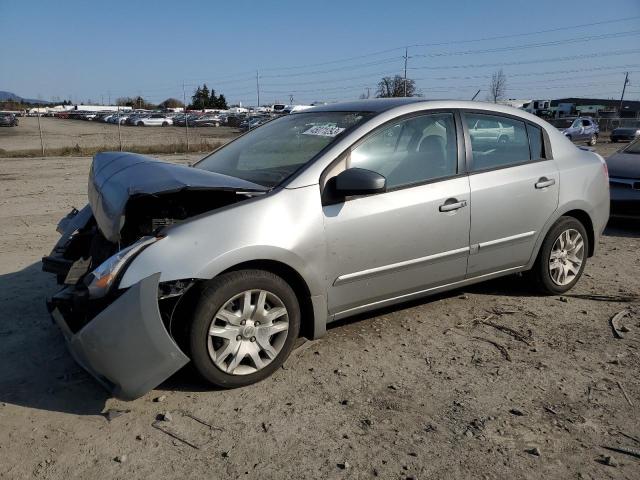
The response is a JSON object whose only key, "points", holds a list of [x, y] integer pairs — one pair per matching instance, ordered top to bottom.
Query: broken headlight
{"points": [[103, 277]]}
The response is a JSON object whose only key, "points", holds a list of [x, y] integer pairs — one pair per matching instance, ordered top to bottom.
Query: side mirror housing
{"points": [[359, 181]]}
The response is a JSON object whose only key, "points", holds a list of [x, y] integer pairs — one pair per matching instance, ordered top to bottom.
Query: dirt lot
{"points": [[61, 134], [425, 390]]}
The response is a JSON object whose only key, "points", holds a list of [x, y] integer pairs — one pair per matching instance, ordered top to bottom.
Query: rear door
{"points": [[513, 190]]}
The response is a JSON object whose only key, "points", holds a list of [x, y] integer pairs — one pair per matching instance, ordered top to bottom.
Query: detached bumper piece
{"points": [[126, 346]]}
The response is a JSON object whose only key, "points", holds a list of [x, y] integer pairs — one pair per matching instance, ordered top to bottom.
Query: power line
{"points": [[456, 42], [550, 43], [527, 62]]}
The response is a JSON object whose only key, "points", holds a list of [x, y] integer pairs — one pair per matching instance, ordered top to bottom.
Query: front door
{"points": [[413, 237]]}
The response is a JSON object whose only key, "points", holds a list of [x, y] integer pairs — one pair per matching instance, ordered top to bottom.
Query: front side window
{"points": [[501, 144], [410, 151], [273, 152]]}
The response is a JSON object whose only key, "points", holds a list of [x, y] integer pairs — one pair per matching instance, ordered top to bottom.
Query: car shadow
{"points": [[36, 370]]}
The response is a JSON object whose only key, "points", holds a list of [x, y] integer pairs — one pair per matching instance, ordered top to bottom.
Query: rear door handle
{"points": [[545, 182], [452, 204]]}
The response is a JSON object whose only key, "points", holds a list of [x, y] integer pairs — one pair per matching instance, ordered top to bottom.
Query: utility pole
{"points": [[406, 57], [624, 87], [258, 88], [368, 92], [109, 93], [290, 99], [186, 122], [40, 129], [119, 136]]}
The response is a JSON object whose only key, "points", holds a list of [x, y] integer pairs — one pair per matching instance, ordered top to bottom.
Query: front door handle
{"points": [[545, 182], [452, 204]]}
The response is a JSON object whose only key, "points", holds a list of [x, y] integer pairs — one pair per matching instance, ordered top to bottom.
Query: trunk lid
{"points": [[115, 177]]}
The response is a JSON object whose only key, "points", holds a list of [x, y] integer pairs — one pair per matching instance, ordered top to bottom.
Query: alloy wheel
{"points": [[567, 255], [248, 332]]}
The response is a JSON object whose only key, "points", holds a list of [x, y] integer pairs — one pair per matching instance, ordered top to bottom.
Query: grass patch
{"points": [[78, 151]]}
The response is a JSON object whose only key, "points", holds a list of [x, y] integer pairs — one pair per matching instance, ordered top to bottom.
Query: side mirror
{"points": [[359, 181]]}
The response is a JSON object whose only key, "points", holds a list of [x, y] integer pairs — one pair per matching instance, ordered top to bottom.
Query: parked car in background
{"points": [[133, 119], [8, 120], [154, 120], [206, 121], [253, 122], [583, 129], [491, 131], [624, 134], [624, 181], [309, 219]]}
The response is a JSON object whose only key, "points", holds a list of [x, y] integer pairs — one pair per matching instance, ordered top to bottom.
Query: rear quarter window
{"points": [[536, 144]]}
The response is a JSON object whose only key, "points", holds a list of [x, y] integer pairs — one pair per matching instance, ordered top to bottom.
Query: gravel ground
{"points": [[424, 390]]}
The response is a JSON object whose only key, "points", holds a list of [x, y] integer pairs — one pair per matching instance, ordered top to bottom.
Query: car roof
{"points": [[379, 105]]}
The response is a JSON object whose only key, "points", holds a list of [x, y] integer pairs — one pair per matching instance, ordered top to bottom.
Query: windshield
{"points": [[633, 147], [274, 151]]}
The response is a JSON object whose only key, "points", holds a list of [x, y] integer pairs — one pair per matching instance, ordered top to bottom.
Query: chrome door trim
{"points": [[512, 238], [394, 267], [408, 296]]}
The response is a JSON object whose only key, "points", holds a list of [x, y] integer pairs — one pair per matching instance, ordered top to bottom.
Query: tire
{"points": [[140, 124], [164, 124], [569, 137], [504, 139], [593, 140], [614, 140], [545, 277], [249, 338]]}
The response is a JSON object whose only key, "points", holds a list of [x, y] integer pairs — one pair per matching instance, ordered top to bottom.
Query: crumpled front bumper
{"points": [[126, 346]]}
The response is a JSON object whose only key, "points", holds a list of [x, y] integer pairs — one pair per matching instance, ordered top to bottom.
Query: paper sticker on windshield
{"points": [[324, 130]]}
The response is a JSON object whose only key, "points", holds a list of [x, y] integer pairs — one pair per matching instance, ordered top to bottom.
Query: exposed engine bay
{"points": [[132, 200]]}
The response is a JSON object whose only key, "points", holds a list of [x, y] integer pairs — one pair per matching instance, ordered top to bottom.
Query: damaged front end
{"points": [[123, 337]]}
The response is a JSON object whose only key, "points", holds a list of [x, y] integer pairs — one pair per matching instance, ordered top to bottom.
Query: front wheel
{"points": [[141, 124], [164, 124], [593, 140], [562, 257], [244, 327]]}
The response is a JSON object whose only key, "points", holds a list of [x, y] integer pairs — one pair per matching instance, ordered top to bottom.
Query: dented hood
{"points": [[115, 177]]}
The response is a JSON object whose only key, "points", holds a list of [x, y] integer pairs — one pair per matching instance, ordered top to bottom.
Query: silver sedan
{"points": [[311, 218]]}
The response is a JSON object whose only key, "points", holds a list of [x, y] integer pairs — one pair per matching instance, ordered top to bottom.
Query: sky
{"points": [[316, 51]]}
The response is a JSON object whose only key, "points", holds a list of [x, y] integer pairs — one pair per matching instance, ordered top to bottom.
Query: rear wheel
{"points": [[140, 124], [164, 124], [593, 140], [562, 257], [244, 327]]}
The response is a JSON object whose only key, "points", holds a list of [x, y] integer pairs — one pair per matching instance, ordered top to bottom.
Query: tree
{"points": [[395, 87], [497, 87], [203, 98], [134, 102], [171, 103], [222, 103]]}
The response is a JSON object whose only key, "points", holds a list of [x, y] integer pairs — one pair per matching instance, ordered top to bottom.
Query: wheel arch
{"points": [[574, 211], [584, 218], [290, 275]]}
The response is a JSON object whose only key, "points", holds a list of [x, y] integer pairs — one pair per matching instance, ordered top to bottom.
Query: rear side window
{"points": [[496, 141], [535, 142]]}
